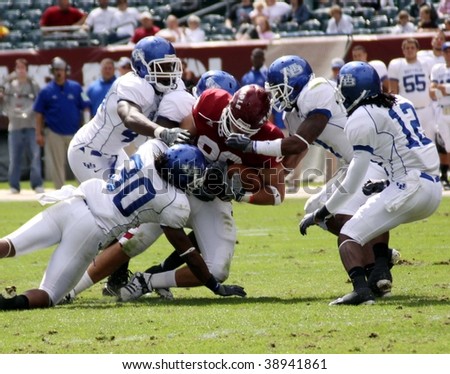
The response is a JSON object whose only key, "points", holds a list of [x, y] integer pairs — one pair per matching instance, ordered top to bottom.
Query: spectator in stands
{"points": [[444, 8], [258, 10], [276, 10], [414, 10], [299, 12], [239, 13], [62, 15], [126, 20], [100, 22], [426, 22], [339, 23], [404, 24], [446, 25], [147, 28], [259, 29], [3, 30], [173, 32], [194, 33], [359, 53], [336, 64], [124, 65], [258, 72], [97, 90], [20, 92], [59, 108]]}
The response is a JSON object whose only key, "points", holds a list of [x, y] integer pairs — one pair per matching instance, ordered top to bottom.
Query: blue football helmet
{"points": [[153, 59], [286, 78], [216, 79], [357, 81], [248, 110], [184, 166]]}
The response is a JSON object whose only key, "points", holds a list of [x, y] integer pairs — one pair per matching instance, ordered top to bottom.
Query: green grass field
{"points": [[289, 279]]}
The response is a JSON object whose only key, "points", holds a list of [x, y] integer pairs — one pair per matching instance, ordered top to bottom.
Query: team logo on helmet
{"points": [[293, 70], [347, 80]]}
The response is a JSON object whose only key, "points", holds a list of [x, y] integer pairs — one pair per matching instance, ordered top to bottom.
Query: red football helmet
{"points": [[247, 111]]}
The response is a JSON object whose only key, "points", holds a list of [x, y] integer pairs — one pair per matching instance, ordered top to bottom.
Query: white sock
{"points": [[163, 280], [84, 283]]}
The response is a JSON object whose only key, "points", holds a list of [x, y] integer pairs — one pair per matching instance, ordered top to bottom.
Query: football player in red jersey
{"points": [[215, 115]]}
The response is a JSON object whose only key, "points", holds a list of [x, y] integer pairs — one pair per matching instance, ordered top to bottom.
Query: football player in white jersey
{"points": [[359, 53], [410, 78], [440, 92], [127, 112], [313, 116], [384, 128], [86, 219]]}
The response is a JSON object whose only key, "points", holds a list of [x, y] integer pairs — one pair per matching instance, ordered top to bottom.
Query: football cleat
{"points": [[395, 257], [117, 280], [380, 280], [139, 285], [164, 293], [362, 296], [68, 299]]}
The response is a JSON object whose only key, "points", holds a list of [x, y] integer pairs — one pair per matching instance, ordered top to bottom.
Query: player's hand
{"points": [[175, 136], [241, 142], [371, 187], [233, 188], [318, 216], [307, 220], [233, 290]]}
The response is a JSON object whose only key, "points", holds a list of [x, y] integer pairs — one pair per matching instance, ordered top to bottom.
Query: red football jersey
{"points": [[207, 112]]}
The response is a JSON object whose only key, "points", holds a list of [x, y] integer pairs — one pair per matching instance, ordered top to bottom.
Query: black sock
{"points": [[444, 171], [382, 253], [368, 269], [358, 277], [15, 303]]}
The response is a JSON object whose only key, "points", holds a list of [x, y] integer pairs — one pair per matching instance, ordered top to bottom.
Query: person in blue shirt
{"points": [[258, 73], [97, 90], [59, 114]]}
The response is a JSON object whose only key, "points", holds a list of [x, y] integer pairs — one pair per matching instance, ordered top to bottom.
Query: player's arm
{"points": [[394, 86], [438, 90], [133, 118], [188, 124], [307, 132], [186, 250]]}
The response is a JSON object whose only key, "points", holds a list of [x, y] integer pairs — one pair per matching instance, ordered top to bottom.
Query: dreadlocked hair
{"points": [[385, 100], [161, 166]]}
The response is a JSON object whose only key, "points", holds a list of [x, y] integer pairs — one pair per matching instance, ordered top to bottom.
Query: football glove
{"points": [[175, 136], [240, 142], [371, 187], [233, 189], [318, 216], [232, 290]]}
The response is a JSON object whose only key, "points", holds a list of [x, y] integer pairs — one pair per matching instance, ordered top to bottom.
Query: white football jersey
{"points": [[380, 67], [441, 74], [413, 80], [319, 96], [176, 105], [106, 132], [394, 138], [136, 195]]}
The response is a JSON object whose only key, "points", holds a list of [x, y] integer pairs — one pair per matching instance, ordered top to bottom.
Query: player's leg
{"points": [[43, 231], [215, 232]]}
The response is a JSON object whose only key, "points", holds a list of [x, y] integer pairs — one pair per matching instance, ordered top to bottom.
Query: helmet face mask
{"points": [[154, 60], [286, 78], [216, 79], [357, 81], [247, 112]]}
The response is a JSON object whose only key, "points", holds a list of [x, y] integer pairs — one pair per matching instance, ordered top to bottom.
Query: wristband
{"points": [[157, 132], [268, 147], [322, 213], [212, 284]]}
